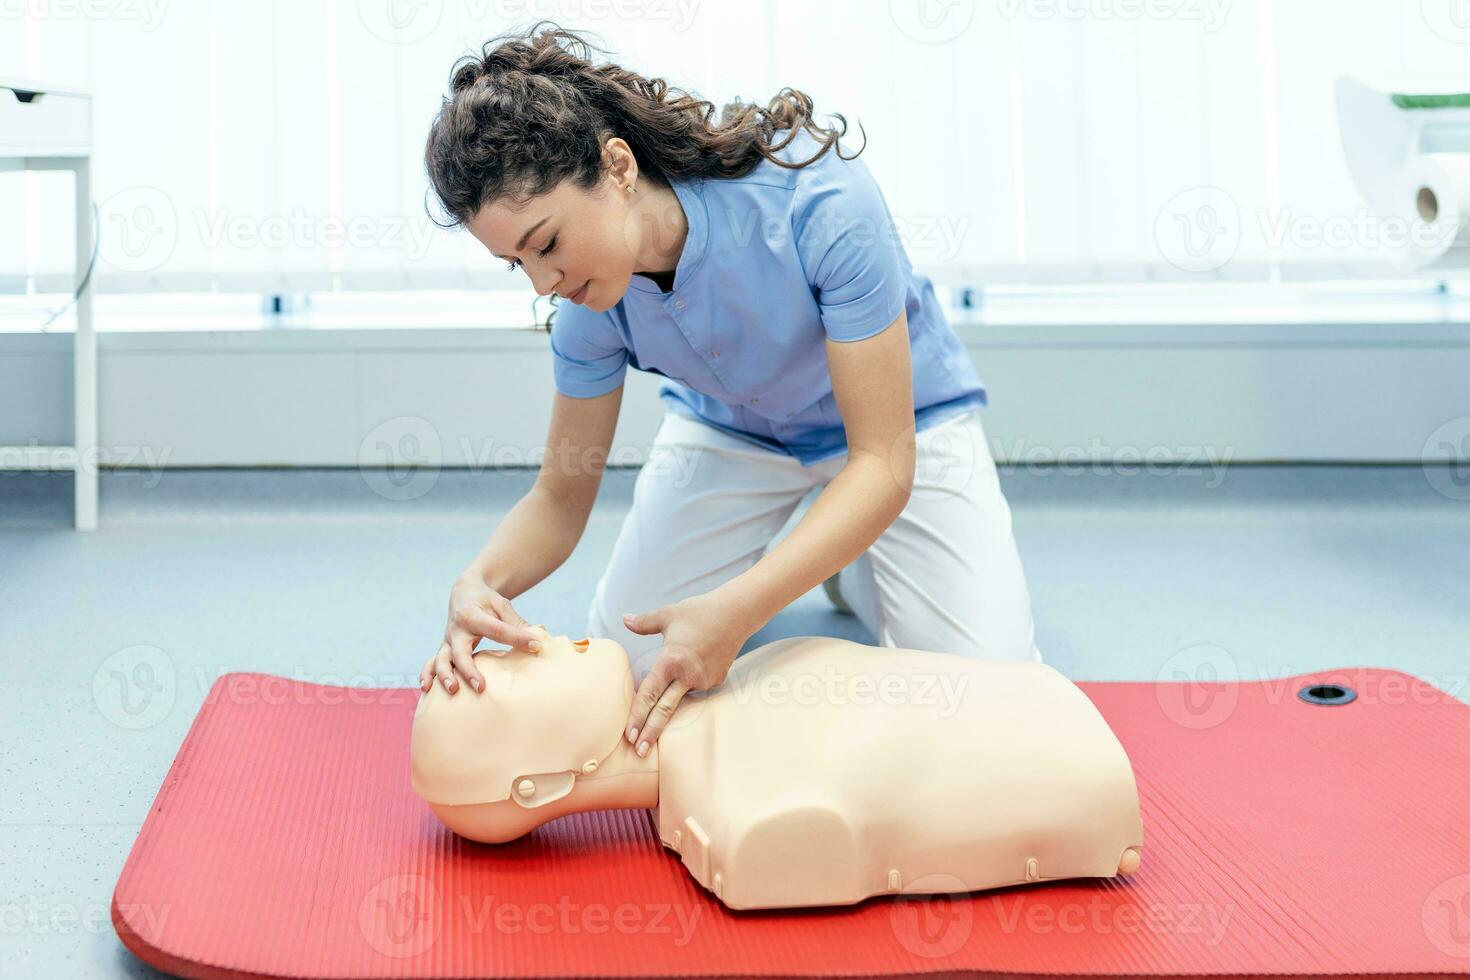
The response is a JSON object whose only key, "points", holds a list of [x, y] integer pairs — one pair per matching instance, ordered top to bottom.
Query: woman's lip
{"points": [[577, 296]]}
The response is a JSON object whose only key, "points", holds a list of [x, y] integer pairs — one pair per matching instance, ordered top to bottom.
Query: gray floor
{"points": [[1258, 572]]}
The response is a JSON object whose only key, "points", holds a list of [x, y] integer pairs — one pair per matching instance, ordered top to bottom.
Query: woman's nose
{"points": [[544, 281]]}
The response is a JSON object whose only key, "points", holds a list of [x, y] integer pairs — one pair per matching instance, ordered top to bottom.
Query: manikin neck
{"points": [[622, 780]]}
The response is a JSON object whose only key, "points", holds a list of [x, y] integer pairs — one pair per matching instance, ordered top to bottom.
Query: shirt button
{"points": [[678, 304]]}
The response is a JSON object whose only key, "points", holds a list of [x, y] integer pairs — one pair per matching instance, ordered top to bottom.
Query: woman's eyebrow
{"points": [[529, 232]]}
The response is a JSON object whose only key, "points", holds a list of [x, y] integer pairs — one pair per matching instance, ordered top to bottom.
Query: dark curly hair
{"points": [[532, 110]]}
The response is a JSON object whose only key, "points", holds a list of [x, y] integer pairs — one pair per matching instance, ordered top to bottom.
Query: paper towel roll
{"points": [[1433, 191]]}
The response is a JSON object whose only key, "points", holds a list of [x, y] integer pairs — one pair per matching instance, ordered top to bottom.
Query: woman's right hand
{"points": [[475, 611]]}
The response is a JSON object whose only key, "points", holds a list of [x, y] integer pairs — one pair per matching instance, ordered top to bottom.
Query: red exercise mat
{"points": [[1280, 837]]}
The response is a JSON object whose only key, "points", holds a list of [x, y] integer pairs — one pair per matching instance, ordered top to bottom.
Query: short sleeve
{"points": [[849, 248], [588, 356]]}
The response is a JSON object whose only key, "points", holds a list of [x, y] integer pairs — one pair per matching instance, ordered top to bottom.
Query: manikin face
{"points": [[586, 245], [495, 763]]}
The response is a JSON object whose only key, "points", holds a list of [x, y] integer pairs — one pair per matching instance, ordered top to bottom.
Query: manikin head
{"points": [[489, 764]]}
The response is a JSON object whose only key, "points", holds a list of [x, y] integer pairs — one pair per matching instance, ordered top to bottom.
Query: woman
{"points": [[759, 274]]}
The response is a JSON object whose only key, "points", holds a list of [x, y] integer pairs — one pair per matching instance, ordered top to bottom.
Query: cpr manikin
{"points": [[822, 771]]}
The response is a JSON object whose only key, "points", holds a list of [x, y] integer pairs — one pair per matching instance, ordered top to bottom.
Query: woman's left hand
{"points": [[702, 637]]}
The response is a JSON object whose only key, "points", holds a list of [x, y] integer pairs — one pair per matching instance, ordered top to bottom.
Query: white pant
{"points": [[945, 575]]}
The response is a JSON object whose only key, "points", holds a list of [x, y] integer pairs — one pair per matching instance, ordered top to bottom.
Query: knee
{"points": [[1014, 640]]}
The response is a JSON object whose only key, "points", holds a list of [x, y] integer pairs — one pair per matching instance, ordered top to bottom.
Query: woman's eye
{"points": [[513, 265]]}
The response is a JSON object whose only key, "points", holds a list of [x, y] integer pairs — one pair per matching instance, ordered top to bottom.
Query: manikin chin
{"points": [[821, 772]]}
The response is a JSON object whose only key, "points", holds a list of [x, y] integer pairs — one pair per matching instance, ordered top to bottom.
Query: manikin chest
{"points": [[824, 771]]}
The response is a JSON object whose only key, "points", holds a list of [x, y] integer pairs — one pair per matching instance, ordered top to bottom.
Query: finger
{"points": [[507, 612], [483, 623], [645, 624], [458, 646], [464, 662], [444, 668], [426, 675], [648, 694], [662, 712]]}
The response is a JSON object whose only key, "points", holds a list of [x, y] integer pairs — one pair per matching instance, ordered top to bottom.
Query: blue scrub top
{"points": [[773, 263]]}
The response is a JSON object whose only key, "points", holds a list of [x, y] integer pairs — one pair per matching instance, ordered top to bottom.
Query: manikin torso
{"points": [[820, 772]]}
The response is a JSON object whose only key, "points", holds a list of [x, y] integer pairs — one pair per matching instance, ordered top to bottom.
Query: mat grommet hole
{"points": [[1327, 694]]}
